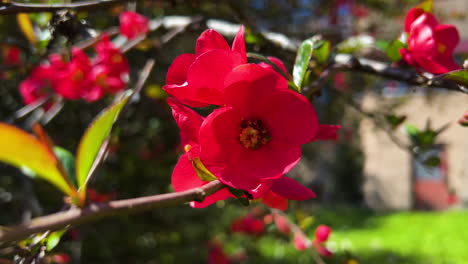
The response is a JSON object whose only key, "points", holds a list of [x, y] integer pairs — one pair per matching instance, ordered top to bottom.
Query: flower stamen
{"points": [[253, 134]]}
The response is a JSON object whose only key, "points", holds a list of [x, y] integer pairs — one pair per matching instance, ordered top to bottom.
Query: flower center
{"points": [[441, 48], [253, 134]]}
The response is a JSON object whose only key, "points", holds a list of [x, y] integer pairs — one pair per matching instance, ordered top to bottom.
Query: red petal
{"points": [[412, 15], [448, 36], [210, 40], [238, 45], [177, 72], [207, 74], [248, 84], [289, 117], [187, 120], [327, 132], [218, 138], [184, 176], [236, 179], [261, 189], [291, 189], [222, 194], [272, 200], [321, 233], [300, 242], [322, 250]]}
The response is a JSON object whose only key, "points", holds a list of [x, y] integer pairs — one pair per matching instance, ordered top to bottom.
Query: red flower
{"points": [[133, 24], [430, 45], [11, 55], [112, 57], [198, 79], [37, 85], [258, 135], [184, 176], [275, 193], [97, 197], [282, 224], [248, 225], [321, 235], [300, 242], [216, 254], [61, 258]]}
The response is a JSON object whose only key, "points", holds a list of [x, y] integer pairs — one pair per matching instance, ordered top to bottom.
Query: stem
{"points": [[12, 7], [97, 211]]}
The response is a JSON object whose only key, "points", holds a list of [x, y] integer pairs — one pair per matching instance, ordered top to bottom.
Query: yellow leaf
{"points": [[26, 27], [22, 150], [203, 173]]}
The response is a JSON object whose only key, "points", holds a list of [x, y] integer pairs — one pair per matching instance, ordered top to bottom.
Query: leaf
{"points": [[426, 6], [26, 27], [355, 44], [393, 50], [322, 53], [302, 61], [459, 77], [395, 120], [412, 130], [92, 140], [22, 150], [68, 161], [432, 161], [203, 173], [53, 239]]}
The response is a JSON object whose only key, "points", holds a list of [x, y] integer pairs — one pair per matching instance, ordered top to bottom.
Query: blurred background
{"points": [[390, 194]]}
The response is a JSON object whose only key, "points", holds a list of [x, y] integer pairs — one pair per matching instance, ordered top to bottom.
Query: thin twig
{"points": [[13, 7], [94, 212], [298, 231]]}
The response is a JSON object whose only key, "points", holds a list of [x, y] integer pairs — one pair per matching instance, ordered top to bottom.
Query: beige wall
{"points": [[387, 168]]}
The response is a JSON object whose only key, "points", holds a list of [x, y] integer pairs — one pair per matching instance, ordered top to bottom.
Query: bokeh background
{"points": [[384, 204]]}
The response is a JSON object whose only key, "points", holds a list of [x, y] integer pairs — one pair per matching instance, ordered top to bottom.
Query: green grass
{"points": [[406, 237], [400, 238]]}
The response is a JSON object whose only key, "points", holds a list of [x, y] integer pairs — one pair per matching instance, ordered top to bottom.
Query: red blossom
{"points": [[133, 24], [430, 44], [11, 55], [112, 57], [198, 79], [37, 85], [252, 139], [97, 197], [282, 224], [249, 225], [321, 236], [300, 242], [216, 254], [61, 258]]}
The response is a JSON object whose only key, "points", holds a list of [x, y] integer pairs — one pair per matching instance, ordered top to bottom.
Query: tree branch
{"points": [[13, 7], [97, 211]]}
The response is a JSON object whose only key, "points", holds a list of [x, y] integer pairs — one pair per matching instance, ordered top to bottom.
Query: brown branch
{"points": [[13, 7], [94, 212], [298, 231]]}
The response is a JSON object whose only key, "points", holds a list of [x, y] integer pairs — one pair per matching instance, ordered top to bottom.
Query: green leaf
{"points": [[426, 6], [355, 44], [393, 50], [322, 53], [302, 61], [459, 77], [395, 120], [412, 130], [93, 139], [24, 151], [432, 161], [68, 162], [203, 173], [236, 192], [53, 239]]}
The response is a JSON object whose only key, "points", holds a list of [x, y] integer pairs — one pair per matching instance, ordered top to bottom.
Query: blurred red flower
{"points": [[133, 24], [430, 44]]}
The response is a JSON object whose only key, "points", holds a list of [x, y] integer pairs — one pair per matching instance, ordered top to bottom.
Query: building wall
{"points": [[387, 167]]}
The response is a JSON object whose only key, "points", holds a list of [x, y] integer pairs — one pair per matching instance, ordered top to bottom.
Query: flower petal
{"points": [[412, 15], [446, 35], [210, 40], [238, 45], [177, 72], [207, 74], [289, 117], [188, 121], [327, 132], [219, 138], [291, 189], [222, 194], [273, 200]]}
